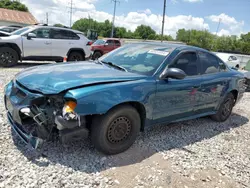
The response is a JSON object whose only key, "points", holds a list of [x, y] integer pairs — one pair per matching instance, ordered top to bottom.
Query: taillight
{"points": [[89, 43]]}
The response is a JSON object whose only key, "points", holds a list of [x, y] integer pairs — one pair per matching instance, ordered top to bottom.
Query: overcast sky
{"points": [[188, 14]]}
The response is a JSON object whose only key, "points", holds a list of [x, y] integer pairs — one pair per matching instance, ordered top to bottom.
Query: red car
{"points": [[103, 46]]}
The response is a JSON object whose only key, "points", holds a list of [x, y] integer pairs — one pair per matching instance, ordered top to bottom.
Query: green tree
{"points": [[13, 5], [58, 25], [144, 32]]}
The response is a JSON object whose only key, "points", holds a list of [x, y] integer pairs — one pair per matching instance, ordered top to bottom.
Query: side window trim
{"points": [[198, 61]]}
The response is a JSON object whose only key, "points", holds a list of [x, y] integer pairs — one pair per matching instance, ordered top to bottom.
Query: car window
{"points": [[8, 29], [21, 31], [41, 33], [63, 34], [99, 42], [110, 42], [117, 43], [232, 58], [188, 62], [210, 64], [223, 66]]}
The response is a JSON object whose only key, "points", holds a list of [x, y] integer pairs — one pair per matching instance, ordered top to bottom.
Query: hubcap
{"points": [[119, 130]]}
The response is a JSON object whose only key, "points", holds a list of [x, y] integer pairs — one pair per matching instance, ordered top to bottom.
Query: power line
{"points": [[163, 20], [113, 21]]}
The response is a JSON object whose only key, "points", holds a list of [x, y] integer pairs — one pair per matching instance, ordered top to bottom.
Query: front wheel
{"points": [[97, 55], [76, 56], [8, 57], [225, 109], [116, 131]]}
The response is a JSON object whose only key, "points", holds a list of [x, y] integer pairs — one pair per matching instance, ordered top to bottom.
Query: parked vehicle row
{"points": [[43, 43], [120, 94]]}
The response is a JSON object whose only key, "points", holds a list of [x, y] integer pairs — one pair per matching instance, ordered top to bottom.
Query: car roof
{"points": [[53, 27], [111, 39], [173, 45]]}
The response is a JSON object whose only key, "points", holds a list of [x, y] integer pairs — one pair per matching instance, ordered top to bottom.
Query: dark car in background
{"points": [[9, 29], [103, 46]]}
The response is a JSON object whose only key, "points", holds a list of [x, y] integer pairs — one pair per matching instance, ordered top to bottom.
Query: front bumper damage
{"points": [[35, 117], [29, 139]]}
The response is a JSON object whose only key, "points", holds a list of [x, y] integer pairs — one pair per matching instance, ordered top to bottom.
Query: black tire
{"points": [[97, 55], [76, 56], [8, 57], [225, 109], [115, 131]]}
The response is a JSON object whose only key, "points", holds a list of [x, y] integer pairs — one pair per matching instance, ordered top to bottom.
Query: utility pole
{"points": [[71, 12], [47, 18], [163, 20], [113, 21], [218, 26]]}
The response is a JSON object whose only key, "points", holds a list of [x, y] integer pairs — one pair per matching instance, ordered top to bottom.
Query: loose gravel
{"points": [[196, 153]]}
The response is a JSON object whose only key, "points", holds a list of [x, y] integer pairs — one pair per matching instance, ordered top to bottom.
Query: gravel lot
{"points": [[197, 153]]}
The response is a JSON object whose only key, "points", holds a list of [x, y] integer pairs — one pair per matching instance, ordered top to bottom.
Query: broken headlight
{"points": [[68, 111]]}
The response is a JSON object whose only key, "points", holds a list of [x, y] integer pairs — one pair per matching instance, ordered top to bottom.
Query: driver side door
{"points": [[39, 46], [176, 99]]}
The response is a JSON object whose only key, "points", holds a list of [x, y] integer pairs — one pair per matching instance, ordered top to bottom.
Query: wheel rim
{"points": [[7, 58], [76, 58], [227, 108], [119, 130]]}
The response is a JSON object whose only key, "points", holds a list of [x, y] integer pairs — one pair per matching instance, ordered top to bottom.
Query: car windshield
{"points": [[20, 31], [99, 42], [138, 58]]}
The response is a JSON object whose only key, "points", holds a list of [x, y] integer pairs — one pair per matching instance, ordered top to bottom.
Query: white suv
{"points": [[43, 43]]}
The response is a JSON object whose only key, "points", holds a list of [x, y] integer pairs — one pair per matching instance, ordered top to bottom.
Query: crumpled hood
{"points": [[55, 78]]}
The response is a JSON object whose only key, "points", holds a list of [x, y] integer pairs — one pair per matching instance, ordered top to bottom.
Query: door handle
{"points": [[47, 43], [71, 43]]}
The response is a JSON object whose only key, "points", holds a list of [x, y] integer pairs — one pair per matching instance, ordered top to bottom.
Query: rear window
{"points": [[99, 42]]}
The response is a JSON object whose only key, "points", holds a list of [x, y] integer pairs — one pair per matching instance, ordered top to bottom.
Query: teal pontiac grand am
{"points": [[113, 98]]}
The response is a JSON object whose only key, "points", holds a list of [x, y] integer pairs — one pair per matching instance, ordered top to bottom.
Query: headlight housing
{"points": [[68, 110]]}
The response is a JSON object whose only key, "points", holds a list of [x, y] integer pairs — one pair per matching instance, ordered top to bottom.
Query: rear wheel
{"points": [[97, 55], [76, 56], [8, 57], [225, 109], [115, 131]]}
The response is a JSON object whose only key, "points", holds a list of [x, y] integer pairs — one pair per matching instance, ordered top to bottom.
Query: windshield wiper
{"points": [[113, 65]]}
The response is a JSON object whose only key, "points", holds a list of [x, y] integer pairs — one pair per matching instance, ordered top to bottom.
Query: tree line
{"points": [[13, 5], [203, 39]]}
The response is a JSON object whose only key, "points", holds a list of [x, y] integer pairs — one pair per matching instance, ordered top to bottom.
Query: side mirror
{"points": [[31, 35], [106, 44], [174, 73]]}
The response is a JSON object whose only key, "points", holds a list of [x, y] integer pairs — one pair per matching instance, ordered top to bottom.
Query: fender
{"points": [[13, 46], [76, 49], [99, 99]]}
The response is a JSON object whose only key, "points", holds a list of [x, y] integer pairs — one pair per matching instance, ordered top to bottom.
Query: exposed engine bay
{"points": [[42, 116]]}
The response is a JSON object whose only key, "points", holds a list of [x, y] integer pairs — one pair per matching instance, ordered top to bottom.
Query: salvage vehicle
{"points": [[43, 43], [103, 46], [122, 93]]}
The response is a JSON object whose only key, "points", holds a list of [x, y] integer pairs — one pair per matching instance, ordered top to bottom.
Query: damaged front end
{"points": [[36, 117]]}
